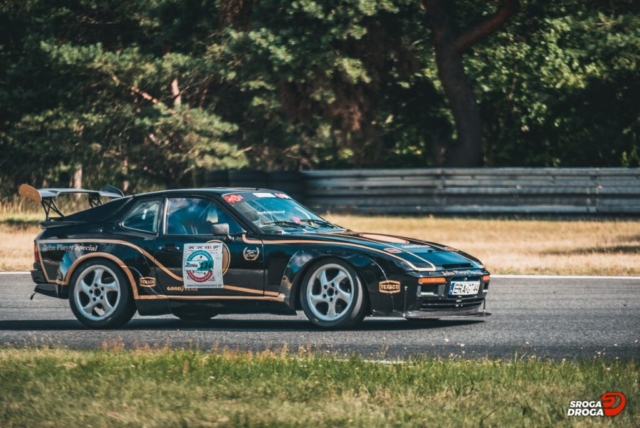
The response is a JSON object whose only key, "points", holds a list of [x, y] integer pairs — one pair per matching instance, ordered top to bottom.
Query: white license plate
{"points": [[464, 288]]}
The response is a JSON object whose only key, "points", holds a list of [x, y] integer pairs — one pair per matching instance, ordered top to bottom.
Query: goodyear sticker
{"points": [[202, 265]]}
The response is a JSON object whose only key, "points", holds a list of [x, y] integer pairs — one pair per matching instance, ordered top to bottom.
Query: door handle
{"points": [[169, 248]]}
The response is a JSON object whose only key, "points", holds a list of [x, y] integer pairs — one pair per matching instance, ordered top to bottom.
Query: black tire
{"points": [[117, 307], [345, 314]]}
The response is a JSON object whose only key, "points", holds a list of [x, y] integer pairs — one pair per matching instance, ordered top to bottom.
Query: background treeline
{"points": [[147, 93]]}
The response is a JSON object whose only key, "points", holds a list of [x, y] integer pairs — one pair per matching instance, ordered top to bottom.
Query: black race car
{"points": [[201, 252]]}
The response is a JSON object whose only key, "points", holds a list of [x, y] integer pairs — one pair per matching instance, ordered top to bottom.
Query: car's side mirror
{"points": [[222, 229]]}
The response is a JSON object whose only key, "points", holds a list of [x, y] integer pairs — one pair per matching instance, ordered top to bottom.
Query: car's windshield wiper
{"points": [[318, 221], [283, 223]]}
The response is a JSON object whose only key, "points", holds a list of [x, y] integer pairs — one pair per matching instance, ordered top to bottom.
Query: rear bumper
{"points": [[38, 276], [46, 288]]}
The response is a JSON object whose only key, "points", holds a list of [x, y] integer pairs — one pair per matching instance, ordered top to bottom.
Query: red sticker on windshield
{"points": [[282, 196], [232, 199]]}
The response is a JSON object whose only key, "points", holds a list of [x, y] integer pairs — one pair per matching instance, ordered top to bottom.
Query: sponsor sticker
{"points": [[264, 195], [282, 196], [232, 199], [68, 247], [251, 254], [202, 265], [462, 273], [146, 281], [389, 287], [181, 289], [610, 404]]}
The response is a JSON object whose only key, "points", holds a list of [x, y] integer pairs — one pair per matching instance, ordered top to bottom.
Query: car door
{"points": [[190, 258]]}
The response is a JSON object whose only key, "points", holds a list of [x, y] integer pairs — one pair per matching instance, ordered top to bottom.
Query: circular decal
{"points": [[251, 254], [226, 256], [203, 264]]}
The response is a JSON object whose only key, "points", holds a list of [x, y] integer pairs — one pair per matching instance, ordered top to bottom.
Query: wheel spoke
{"points": [[97, 276], [323, 278], [338, 278], [110, 286], [86, 288], [344, 295], [316, 299], [106, 305], [90, 306], [332, 309]]}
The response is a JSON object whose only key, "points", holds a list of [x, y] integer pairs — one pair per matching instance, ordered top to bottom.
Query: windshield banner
{"points": [[202, 265]]}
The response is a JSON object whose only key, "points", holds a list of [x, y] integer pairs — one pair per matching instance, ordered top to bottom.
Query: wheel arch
{"points": [[90, 257], [367, 269]]}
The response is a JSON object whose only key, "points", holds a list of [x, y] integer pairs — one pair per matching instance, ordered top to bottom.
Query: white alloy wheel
{"points": [[97, 292], [330, 292], [100, 296]]}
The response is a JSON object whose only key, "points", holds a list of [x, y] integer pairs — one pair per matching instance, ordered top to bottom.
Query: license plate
{"points": [[464, 288]]}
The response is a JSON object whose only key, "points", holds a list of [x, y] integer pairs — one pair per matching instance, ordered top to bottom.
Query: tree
{"points": [[449, 49]]}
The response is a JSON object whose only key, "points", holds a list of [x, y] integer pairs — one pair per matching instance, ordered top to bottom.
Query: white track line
{"points": [[14, 273], [637, 278]]}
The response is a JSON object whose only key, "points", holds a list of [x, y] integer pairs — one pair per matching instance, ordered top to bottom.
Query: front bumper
{"points": [[425, 301], [415, 315]]}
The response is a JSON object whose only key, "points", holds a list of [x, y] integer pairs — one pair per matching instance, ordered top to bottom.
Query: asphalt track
{"points": [[545, 317]]}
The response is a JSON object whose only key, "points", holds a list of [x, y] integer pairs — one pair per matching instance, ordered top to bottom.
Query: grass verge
{"points": [[144, 387]]}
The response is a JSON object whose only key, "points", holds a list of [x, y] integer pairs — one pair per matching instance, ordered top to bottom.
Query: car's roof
{"points": [[215, 190]]}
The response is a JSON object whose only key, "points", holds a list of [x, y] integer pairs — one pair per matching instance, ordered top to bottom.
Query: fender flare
{"points": [[367, 268]]}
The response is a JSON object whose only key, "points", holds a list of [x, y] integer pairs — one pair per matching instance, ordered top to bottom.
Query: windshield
{"points": [[276, 212]]}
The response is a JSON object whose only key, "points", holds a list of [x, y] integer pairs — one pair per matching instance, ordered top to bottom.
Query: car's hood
{"points": [[419, 254]]}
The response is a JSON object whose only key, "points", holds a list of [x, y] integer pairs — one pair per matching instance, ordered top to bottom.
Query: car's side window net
{"points": [[144, 216], [196, 216]]}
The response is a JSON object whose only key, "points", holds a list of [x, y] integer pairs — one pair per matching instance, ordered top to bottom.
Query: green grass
{"points": [[114, 387]]}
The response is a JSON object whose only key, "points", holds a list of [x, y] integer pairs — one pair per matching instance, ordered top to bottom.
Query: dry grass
{"points": [[589, 247], [594, 247], [16, 251]]}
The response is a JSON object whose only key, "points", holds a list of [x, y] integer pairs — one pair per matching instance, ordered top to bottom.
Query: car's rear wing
{"points": [[46, 197]]}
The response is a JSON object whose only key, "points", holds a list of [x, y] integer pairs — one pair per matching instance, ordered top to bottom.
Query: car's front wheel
{"points": [[332, 295], [100, 296]]}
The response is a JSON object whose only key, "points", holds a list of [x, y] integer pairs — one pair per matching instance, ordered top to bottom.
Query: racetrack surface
{"points": [[559, 318]]}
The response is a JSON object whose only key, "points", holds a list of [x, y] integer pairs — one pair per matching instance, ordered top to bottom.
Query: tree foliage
{"points": [[151, 93]]}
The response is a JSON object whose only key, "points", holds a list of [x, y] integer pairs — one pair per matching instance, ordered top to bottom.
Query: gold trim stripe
{"points": [[349, 244], [124, 266]]}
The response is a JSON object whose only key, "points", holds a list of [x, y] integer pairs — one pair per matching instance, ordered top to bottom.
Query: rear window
{"points": [[143, 216]]}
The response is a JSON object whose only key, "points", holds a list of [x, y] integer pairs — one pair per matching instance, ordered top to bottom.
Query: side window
{"points": [[144, 216], [196, 216]]}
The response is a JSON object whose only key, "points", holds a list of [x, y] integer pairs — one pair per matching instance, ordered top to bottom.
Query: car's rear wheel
{"points": [[332, 295], [100, 296]]}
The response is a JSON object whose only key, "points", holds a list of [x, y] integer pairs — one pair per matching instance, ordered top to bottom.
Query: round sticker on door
{"points": [[199, 266]]}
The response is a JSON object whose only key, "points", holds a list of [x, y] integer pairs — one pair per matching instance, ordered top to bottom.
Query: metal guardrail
{"points": [[607, 191]]}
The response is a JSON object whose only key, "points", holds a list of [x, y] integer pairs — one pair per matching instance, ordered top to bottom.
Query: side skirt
{"points": [[169, 306]]}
